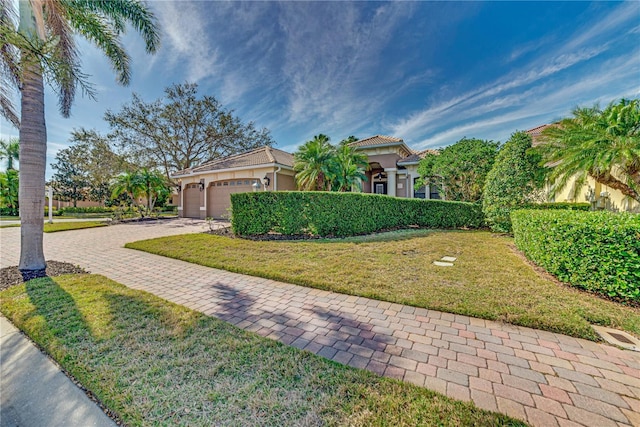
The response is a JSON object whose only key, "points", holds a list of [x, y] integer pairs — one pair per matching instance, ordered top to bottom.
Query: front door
{"points": [[380, 188]]}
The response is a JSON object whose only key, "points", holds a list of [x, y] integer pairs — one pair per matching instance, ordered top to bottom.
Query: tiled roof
{"points": [[536, 133], [377, 140], [260, 156], [416, 157]]}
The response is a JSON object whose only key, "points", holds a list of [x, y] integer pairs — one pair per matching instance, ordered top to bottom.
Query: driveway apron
{"points": [[544, 378]]}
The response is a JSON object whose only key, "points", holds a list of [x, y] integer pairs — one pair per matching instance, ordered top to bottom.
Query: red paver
{"points": [[543, 378]]}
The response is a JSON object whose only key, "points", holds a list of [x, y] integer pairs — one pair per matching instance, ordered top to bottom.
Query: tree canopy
{"points": [[181, 130], [601, 144], [10, 151], [459, 171], [515, 179]]}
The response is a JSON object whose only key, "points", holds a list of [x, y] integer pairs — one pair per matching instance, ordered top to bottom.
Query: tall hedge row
{"points": [[343, 214], [596, 251]]}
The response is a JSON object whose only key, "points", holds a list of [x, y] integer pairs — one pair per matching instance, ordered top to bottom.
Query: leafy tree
{"points": [[44, 45], [181, 130], [601, 144], [10, 150], [99, 163], [313, 163], [459, 171], [70, 179], [515, 180], [9, 191]]}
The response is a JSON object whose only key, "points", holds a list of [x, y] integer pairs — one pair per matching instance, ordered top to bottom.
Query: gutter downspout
{"points": [[275, 178]]}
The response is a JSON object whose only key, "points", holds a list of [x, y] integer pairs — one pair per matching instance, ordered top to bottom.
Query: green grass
{"points": [[65, 226], [489, 279], [153, 362]]}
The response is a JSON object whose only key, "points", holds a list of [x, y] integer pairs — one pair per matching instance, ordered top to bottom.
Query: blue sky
{"points": [[428, 72]]}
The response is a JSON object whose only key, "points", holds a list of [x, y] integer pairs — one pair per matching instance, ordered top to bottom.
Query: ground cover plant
{"points": [[490, 279], [153, 362]]}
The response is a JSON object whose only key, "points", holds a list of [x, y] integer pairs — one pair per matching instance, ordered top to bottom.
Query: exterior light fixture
{"points": [[379, 176], [266, 181], [201, 184], [179, 187]]}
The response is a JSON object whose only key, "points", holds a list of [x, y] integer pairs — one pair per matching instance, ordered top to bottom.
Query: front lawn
{"points": [[65, 226], [489, 279], [153, 362]]}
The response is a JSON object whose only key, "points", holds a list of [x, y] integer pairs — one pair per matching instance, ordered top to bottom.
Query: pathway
{"points": [[544, 378]]}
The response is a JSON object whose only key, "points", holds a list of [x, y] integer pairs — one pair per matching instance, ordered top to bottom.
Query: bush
{"points": [[514, 182], [559, 205], [93, 209], [7, 211], [55, 211], [343, 214], [596, 251]]}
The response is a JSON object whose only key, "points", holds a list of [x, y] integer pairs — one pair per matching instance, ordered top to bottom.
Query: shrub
{"points": [[513, 182], [559, 205], [92, 209], [7, 211], [343, 214], [596, 251]]}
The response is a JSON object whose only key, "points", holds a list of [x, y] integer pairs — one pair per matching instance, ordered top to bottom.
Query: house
{"points": [[393, 168], [204, 191], [600, 195]]}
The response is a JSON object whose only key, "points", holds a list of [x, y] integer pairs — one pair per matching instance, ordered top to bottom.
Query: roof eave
{"points": [[262, 165]]}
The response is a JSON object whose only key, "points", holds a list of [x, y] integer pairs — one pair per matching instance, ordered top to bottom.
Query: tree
{"points": [[43, 45], [181, 131], [601, 144], [10, 150], [313, 163], [100, 164], [349, 167], [459, 171], [515, 179], [70, 180], [129, 184], [9, 185], [152, 185]]}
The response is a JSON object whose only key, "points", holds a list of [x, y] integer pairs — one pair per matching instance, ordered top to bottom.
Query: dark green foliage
{"points": [[460, 170], [514, 181], [560, 205], [92, 209], [343, 214], [596, 251]]}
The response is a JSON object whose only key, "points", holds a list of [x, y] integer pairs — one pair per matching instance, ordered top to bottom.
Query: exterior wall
{"points": [[385, 160], [286, 182], [401, 186], [616, 200]]}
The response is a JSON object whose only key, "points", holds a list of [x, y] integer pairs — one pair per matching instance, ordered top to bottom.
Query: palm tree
{"points": [[44, 45], [601, 144], [10, 150], [313, 164], [349, 168], [129, 184], [152, 184], [9, 190]]}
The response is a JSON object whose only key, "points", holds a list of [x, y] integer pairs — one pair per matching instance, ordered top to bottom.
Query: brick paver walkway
{"points": [[544, 378]]}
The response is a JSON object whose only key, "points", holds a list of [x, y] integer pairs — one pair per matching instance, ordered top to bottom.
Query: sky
{"points": [[430, 73]]}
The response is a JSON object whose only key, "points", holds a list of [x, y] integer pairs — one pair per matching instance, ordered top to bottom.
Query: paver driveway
{"points": [[544, 378]]}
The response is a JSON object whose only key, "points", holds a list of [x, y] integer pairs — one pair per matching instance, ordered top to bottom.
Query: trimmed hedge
{"points": [[560, 205], [92, 209], [343, 214], [596, 251]]}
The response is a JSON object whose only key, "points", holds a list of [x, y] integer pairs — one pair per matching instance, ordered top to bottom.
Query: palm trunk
{"points": [[33, 150], [612, 182]]}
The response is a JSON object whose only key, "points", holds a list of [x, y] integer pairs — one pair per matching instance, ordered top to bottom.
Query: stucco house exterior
{"points": [[204, 191], [593, 192]]}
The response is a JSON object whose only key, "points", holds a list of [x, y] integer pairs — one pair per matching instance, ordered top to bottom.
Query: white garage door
{"points": [[219, 195], [191, 200]]}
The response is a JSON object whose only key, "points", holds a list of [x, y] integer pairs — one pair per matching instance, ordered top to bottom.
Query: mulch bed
{"points": [[11, 276]]}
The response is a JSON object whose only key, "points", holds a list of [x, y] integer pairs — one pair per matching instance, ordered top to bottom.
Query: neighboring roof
{"points": [[536, 133], [377, 140], [258, 157], [415, 158]]}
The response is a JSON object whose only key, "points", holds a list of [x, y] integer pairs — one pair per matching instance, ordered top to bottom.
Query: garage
{"points": [[219, 195], [191, 201]]}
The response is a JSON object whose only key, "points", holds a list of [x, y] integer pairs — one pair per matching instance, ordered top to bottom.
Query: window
{"points": [[246, 182], [226, 183], [232, 183], [218, 184], [379, 188], [419, 192], [433, 192]]}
